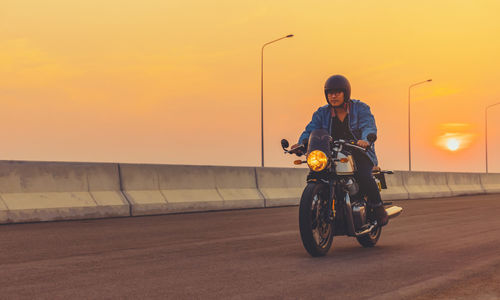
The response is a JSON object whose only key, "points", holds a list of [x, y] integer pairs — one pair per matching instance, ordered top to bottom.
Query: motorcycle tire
{"points": [[316, 230], [370, 240]]}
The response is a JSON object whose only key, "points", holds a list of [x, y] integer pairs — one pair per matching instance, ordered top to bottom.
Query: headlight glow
{"points": [[317, 160]]}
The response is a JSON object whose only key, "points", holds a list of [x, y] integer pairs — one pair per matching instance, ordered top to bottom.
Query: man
{"points": [[350, 119]]}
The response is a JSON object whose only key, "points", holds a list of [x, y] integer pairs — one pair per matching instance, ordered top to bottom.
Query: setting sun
{"points": [[456, 136], [454, 141], [453, 144]]}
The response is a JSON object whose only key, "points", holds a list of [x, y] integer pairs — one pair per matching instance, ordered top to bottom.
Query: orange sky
{"points": [[179, 81]]}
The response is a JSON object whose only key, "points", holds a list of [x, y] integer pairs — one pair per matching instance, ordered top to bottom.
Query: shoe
{"points": [[381, 215]]}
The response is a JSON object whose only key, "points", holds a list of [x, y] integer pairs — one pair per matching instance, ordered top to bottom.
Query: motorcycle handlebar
{"points": [[352, 144], [302, 149], [299, 151]]}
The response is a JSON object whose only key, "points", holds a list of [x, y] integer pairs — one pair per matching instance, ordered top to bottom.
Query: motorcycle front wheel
{"points": [[316, 227]]}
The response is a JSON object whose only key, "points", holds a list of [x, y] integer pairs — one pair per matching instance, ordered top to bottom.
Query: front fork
{"points": [[331, 201], [330, 205]]}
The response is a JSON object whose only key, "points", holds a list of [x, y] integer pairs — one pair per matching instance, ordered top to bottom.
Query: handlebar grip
{"points": [[354, 145], [300, 150]]}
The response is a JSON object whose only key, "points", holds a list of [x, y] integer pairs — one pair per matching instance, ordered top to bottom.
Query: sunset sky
{"points": [[178, 82]]}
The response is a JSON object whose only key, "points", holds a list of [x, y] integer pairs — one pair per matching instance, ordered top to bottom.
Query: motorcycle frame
{"points": [[343, 221]]}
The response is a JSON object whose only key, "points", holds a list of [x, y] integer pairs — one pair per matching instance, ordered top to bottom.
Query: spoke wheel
{"points": [[316, 228], [370, 239]]}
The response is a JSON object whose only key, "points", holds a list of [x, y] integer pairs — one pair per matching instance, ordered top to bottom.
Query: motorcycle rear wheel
{"points": [[316, 228], [370, 239]]}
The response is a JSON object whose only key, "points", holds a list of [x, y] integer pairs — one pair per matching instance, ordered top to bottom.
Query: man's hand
{"points": [[363, 143], [298, 152]]}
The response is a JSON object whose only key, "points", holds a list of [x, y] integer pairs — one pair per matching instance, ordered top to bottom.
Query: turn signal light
{"points": [[317, 160], [344, 160], [297, 162]]}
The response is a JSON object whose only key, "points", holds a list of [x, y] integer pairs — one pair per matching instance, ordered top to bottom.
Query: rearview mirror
{"points": [[284, 143]]}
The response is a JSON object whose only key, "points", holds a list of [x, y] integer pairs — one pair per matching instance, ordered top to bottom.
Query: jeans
{"points": [[367, 183]]}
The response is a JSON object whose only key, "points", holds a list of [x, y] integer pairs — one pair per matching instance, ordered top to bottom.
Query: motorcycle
{"points": [[332, 203]]}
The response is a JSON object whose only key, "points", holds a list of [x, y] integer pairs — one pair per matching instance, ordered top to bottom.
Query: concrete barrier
{"points": [[490, 182], [464, 183], [426, 185], [141, 186], [281, 186], [238, 187], [395, 187], [160, 189], [44, 191], [3, 212]]}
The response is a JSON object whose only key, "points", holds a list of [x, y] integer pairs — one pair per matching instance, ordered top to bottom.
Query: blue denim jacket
{"points": [[361, 123]]}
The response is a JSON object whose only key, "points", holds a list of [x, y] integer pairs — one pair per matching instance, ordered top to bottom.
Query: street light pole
{"points": [[262, 94], [409, 115], [486, 132]]}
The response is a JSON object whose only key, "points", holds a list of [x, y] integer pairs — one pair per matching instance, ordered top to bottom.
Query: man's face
{"points": [[335, 97]]}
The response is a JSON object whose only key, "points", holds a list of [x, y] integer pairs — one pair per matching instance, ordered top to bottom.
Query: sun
{"points": [[457, 139], [453, 144]]}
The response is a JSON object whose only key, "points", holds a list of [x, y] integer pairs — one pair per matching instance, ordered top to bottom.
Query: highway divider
{"points": [[464, 183], [490, 183], [426, 185], [281, 186], [161, 189], [396, 189], [45, 191]]}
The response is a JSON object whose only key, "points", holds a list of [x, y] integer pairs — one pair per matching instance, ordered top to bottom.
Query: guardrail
{"points": [[47, 191]]}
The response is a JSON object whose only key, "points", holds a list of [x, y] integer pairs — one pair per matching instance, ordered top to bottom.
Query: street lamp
{"points": [[262, 94], [486, 131], [409, 134]]}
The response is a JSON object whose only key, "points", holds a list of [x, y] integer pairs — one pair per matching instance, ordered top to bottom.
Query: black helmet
{"points": [[338, 82]]}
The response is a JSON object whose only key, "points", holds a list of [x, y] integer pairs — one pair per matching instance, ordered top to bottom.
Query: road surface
{"points": [[446, 248]]}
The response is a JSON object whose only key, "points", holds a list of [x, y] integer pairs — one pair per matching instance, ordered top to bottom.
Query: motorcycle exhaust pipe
{"points": [[394, 211]]}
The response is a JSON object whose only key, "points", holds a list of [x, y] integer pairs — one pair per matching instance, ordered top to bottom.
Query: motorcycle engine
{"points": [[352, 187], [359, 215]]}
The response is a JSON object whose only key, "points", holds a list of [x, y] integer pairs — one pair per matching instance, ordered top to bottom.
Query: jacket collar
{"points": [[347, 107]]}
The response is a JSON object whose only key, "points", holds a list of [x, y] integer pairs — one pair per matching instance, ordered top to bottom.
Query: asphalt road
{"points": [[445, 248]]}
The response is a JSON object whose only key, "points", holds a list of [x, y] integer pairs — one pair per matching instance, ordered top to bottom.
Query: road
{"points": [[441, 249]]}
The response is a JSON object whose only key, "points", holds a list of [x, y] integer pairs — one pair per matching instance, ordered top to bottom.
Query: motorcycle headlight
{"points": [[317, 160]]}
